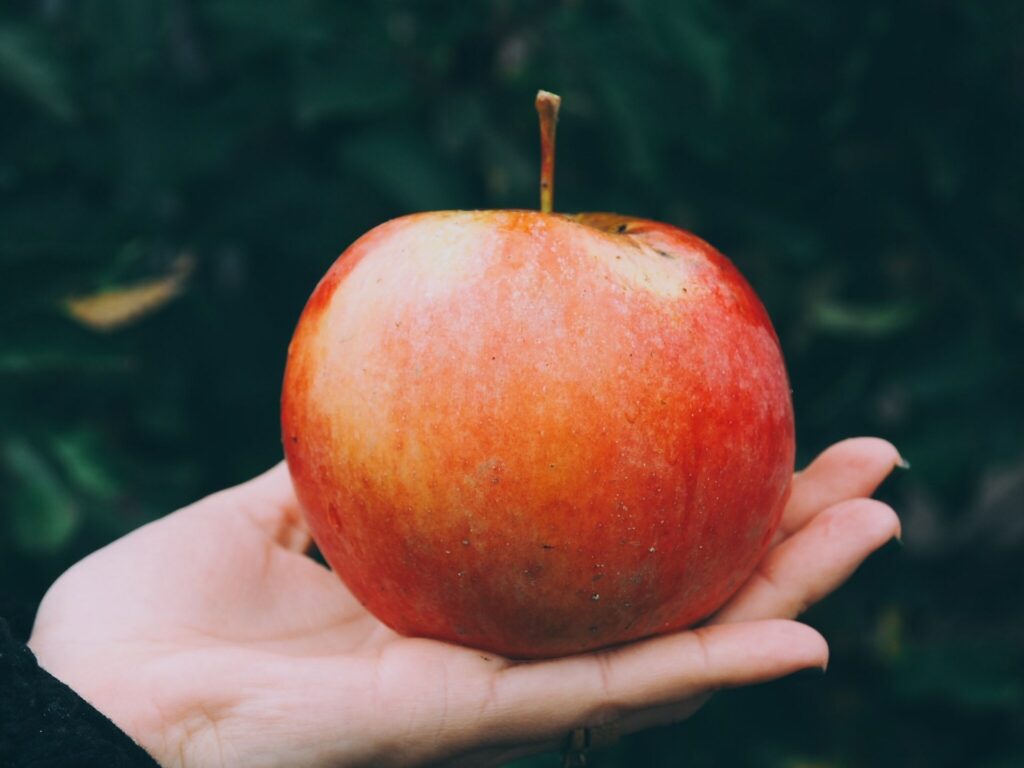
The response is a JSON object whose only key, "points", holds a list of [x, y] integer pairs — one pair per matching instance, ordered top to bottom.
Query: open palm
{"points": [[212, 639]]}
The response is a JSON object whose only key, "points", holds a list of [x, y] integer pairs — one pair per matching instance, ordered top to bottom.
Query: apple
{"points": [[537, 433]]}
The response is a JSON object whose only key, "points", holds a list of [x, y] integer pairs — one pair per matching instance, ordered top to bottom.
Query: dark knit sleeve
{"points": [[45, 724]]}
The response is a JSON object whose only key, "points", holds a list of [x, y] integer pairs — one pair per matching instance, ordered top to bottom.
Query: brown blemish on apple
{"points": [[612, 223]]}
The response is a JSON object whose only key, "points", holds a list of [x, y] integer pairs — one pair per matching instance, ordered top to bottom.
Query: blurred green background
{"points": [[862, 163]]}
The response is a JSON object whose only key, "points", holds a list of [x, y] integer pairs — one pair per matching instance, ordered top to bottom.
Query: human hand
{"points": [[211, 639]]}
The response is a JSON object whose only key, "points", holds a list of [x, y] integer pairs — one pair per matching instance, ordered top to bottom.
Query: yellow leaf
{"points": [[112, 308]]}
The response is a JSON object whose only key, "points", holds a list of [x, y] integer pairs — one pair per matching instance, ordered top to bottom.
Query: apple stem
{"points": [[547, 109]]}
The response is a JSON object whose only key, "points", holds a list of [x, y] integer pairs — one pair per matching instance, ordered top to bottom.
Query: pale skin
{"points": [[213, 640]]}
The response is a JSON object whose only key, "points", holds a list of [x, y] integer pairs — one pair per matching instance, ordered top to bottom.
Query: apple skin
{"points": [[537, 434]]}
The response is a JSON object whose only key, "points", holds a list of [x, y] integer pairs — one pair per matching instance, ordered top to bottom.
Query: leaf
{"points": [[25, 68], [112, 308], [862, 320], [35, 361], [81, 457], [44, 514]]}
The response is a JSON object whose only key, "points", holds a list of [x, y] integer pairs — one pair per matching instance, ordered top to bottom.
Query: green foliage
{"points": [[27, 69], [860, 162], [43, 512]]}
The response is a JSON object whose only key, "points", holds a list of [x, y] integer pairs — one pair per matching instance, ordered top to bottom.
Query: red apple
{"points": [[537, 433]]}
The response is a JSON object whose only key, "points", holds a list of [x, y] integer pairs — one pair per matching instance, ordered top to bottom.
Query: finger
{"points": [[847, 470], [269, 501], [813, 562], [543, 701], [657, 717]]}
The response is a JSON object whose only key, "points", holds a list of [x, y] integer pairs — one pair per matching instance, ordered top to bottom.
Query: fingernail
{"points": [[902, 463], [896, 542], [811, 673]]}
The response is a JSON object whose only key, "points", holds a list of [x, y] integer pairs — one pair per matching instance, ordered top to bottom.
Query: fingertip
{"points": [[873, 450], [882, 451], [880, 519], [868, 521], [894, 526], [799, 634], [778, 646], [807, 647], [820, 651]]}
